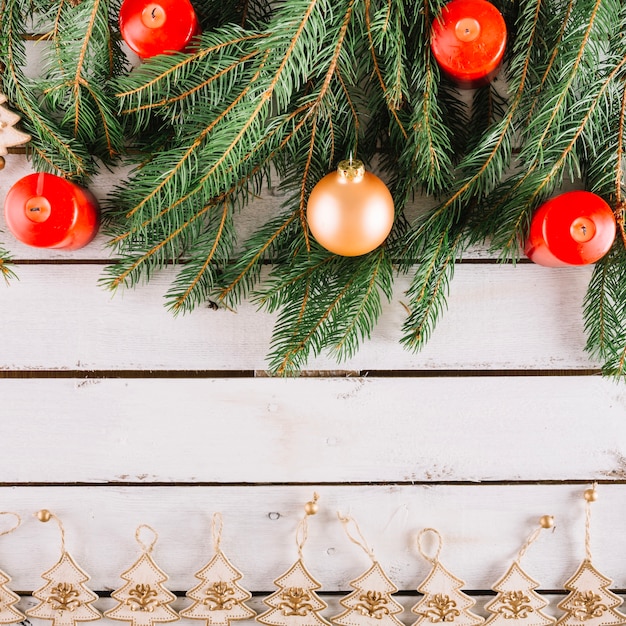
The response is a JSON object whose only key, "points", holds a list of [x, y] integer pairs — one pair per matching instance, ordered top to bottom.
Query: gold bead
{"points": [[2, 163], [591, 495], [311, 508], [44, 515], [546, 521]]}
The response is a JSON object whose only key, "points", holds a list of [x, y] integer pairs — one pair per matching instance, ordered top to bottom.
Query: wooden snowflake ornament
{"points": [[9, 136], [65, 599], [218, 599], [443, 599], [143, 600]]}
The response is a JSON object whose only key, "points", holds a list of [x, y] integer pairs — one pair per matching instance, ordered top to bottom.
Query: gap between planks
{"points": [[367, 373]]}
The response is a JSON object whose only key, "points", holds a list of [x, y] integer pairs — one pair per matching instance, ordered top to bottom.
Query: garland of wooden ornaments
{"points": [[218, 599]]}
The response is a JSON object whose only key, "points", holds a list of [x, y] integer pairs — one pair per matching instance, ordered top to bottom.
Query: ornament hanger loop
{"points": [[590, 495], [45, 516], [18, 521], [546, 521], [216, 530], [302, 532], [420, 537], [360, 541], [147, 548]]}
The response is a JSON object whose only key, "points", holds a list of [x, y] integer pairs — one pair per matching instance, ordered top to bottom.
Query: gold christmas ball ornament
{"points": [[350, 212], [591, 495], [44, 515], [546, 521]]}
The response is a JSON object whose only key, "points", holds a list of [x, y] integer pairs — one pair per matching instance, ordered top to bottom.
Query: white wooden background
{"points": [[114, 414]]}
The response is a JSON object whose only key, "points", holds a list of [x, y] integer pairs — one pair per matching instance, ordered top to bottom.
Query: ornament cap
{"points": [[351, 169], [591, 495], [311, 507], [546, 521]]}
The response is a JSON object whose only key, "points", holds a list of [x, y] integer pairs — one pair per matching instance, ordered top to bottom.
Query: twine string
{"points": [[18, 521], [217, 525], [588, 525], [61, 530], [302, 532], [420, 537], [531, 539], [360, 540], [147, 548]]}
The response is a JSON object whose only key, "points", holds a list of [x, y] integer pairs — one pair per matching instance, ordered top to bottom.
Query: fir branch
{"points": [[376, 29], [77, 73], [53, 149], [426, 152], [480, 170], [522, 193], [6, 271], [239, 278], [196, 281], [429, 289], [338, 301], [605, 312]]}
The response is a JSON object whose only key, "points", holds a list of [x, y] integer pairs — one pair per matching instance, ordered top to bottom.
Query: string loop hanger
{"points": [[590, 495], [44, 515], [545, 522], [16, 525], [217, 525], [302, 532], [359, 539], [439, 544], [146, 547]]}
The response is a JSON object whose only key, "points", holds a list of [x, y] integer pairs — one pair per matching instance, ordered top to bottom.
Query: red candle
{"points": [[157, 27], [468, 41], [47, 211], [574, 228]]}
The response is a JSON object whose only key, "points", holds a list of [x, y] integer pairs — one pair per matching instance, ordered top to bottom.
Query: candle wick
{"points": [[154, 13], [34, 208], [584, 229]]}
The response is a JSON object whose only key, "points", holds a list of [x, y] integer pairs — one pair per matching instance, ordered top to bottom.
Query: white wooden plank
{"points": [[258, 212], [499, 317], [313, 430], [483, 529]]}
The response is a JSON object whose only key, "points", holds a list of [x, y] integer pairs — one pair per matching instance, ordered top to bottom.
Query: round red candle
{"points": [[152, 27], [468, 41], [47, 211], [574, 228]]}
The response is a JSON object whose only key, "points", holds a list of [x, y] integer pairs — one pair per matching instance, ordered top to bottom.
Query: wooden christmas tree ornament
{"points": [[8, 599], [65, 599], [218, 599], [443, 599], [143, 600], [589, 600], [296, 602], [516, 602], [370, 604]]}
